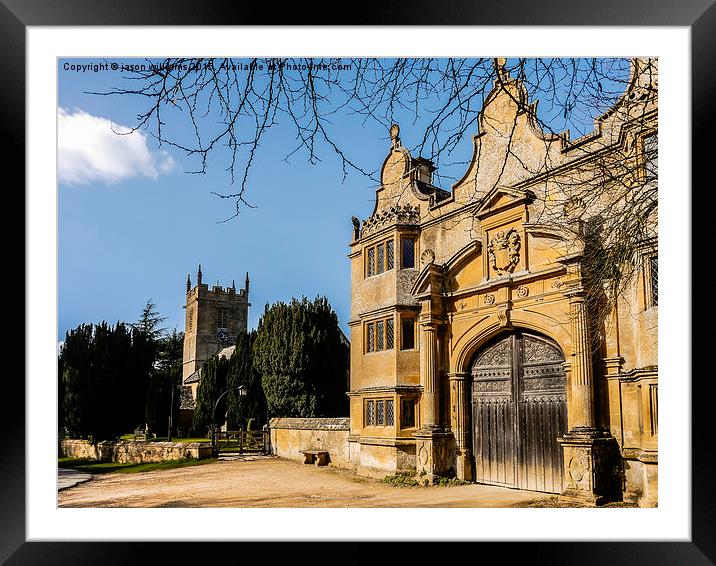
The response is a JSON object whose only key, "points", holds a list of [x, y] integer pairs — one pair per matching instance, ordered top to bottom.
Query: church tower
{"points": [[214, 318]]}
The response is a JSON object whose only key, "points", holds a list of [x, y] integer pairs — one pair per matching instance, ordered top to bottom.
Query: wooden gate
{"points": [[519, 410], [243, 441]]}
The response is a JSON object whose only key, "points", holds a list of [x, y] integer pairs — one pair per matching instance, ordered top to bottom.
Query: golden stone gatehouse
{"points": [[472, 348]]}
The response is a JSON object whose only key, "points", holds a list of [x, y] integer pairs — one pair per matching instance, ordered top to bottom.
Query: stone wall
{"points": [[291, 435], [128, 452]]}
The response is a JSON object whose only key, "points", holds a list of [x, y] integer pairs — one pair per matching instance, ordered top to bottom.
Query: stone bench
{"points": [[319, 456]]}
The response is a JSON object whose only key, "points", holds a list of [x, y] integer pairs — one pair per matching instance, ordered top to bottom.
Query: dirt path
{"points": [[273, 482]]}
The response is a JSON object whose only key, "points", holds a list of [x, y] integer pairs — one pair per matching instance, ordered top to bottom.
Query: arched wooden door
{"points": [[519, 409]]}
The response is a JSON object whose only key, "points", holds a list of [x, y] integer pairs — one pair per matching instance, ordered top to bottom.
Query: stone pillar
{"points": [[429, 375], [581, 407], [459, 419], [433, 442], [586, 449]]}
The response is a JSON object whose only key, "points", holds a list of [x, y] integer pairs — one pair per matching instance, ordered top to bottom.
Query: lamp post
{"points": [[242, 391]]}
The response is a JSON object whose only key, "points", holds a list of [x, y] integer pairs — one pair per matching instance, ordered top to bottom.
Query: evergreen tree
{"points": [[149, 321], [170, 350], [142, 352], [154, 356], [302, 359], [241, 372], [105, 373], [76, 380], [211, 386], [163, 394], [60, 395], [160, 401]]}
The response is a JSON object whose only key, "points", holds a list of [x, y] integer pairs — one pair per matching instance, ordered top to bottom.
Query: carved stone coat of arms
{"points": [[504, 250]]}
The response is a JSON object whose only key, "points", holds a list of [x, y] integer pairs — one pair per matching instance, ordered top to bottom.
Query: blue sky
{"points": [[133, 222], [124, 242]]}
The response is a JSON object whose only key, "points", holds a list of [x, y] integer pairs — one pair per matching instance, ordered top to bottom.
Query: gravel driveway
{"points": [[266, 481]]}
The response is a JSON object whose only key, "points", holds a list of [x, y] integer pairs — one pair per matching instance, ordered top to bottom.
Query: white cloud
{"points": [[90, 149]]}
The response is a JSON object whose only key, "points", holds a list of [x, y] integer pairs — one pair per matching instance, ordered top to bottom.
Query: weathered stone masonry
{"points": [[471, 349]]}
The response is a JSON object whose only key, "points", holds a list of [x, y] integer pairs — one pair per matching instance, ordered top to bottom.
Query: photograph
{"points": [[389, 281], [358, 282]]}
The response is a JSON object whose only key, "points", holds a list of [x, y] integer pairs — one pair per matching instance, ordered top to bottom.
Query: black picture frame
{"points": [[17, 15]]}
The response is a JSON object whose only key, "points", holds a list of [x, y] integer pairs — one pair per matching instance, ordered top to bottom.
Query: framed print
{"points": [[490, 355]]}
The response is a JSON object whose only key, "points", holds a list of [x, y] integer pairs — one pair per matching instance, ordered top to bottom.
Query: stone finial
{"points": [[502, 72], [395, 136], [356, 228], [198, 276], [247, 282], [188, 283], [233, 285]]}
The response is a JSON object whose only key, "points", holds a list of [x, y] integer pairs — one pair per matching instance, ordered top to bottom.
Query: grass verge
{"points": [[93, 467], [411, 479]]}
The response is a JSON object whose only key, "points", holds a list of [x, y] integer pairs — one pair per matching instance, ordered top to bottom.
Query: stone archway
{"points": [[519, 409]]}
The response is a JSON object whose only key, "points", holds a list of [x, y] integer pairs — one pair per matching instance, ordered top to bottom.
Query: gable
{"points": [[500, 199]]}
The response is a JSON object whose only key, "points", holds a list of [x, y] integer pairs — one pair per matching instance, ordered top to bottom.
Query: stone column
{"points": [[429, 375], [581, 409], [459, 419], [433, 443], [587, 450]]}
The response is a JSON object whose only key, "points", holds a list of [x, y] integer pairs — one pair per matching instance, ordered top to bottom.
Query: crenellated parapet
{"points": [[215, 291]]}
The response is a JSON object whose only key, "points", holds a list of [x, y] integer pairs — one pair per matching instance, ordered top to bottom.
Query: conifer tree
{"points": [[149, 321], [302, 359], [106, 371], [241, 372], [105, 374], [77, 380], [211, 386], [163, 395], [60, 397]]}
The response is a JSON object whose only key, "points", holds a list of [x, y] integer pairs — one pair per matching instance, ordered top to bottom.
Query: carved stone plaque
{"points": [[504, 250]]}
